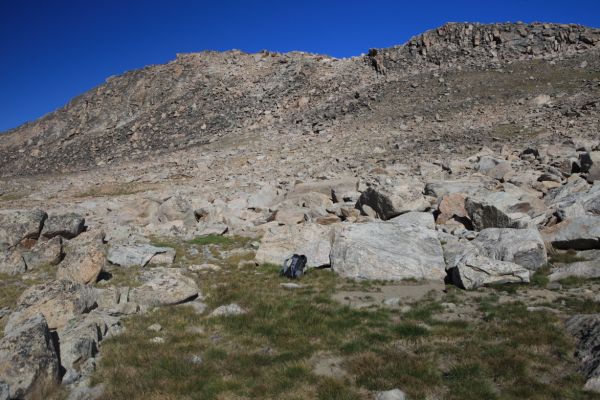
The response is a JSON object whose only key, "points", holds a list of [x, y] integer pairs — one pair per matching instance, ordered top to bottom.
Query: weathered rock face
{"points": [[504, 41], [590, 163], [498, 169], [467, 187], [574, 199], [389, 201], [452, 206], [176, 208], [499, 210], [422, 219], [65, 225], [16, 226], [579, 233], [280, 242], [520, 246], [387, 251], [44, 253], [138, 255], [85, 258], [12, 262], [580, 269], [473, 271], [163, 287], [57, 300], [586, 330], [79, 342], [29, 365]]}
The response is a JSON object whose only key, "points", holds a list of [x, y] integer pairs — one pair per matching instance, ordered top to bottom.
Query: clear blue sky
{"points": [[53, 50]]}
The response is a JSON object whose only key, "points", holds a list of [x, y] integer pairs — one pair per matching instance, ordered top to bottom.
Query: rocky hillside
{"points": [[443, 74], [445, 193]]}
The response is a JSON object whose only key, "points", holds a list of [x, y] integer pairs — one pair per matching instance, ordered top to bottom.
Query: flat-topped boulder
{"points": [[387, 251], [128, 255], [163, 287]]}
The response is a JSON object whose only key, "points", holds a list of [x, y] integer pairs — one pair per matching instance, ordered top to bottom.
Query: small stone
{"points": [[204, 267], [291, 285], [554, 286], [392, 302], [198, 306], [228, 310], [155, 327], [157, 340], [196, 359], [395, 394]]}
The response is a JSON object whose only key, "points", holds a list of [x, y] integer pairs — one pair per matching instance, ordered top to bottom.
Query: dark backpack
{"points": [[293, 267]]}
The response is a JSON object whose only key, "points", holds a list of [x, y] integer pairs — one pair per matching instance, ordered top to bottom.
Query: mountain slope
{"points": [[200, 98]]}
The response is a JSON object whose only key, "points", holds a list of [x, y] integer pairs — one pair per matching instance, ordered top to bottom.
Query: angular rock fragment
{"points": [[389, 201], [499, 210], [65, 225], [16, 226], [578, 233], [524, 247], [44, 253], [138, 254], [85, 258], [12, 263], [580, 269], [473, 271], [57, 300], [586, 331], [29, 366]]}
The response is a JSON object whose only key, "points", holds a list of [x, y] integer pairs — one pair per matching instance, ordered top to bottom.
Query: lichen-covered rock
{"points": [[17, 225], [65, 225], [44, 253], [138, 254], [85, 258], [12, 262], [163, 287], [57, 300], [586, 330], [29, 366]]}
